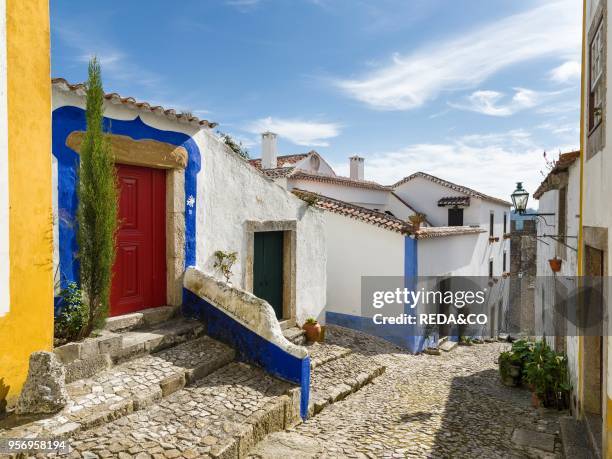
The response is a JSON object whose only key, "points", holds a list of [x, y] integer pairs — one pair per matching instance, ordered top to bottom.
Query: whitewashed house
{"points": [[559, 195], [368, 233]]}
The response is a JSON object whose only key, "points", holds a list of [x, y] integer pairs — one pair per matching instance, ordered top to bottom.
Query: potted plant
{"points": [[416, 220], [507, 235], [224, 261], [555, 264], [312, 329], [510, 369]]}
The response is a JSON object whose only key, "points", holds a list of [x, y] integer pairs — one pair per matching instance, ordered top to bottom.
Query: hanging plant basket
{"points": [[555, 264]]}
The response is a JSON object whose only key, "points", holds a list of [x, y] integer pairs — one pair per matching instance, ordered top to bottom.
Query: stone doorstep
{"points": [[146, 317], [295, 335], [100, 400]]}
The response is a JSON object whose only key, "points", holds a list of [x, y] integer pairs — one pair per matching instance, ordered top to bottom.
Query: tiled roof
{"points": [[113, 97], [282, 161], [562, 164], [278, 172], [338, 180], [452, 186], [454, 201], [370, 216], [443, 231]]}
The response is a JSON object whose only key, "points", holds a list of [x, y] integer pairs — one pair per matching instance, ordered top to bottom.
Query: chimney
{"points": [[268, 150], [356, 164]]}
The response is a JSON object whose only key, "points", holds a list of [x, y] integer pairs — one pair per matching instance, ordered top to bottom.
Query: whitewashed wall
{"points": [[4, 178], [230, 192], [398, 208], [356, 249], [546, 249], [450, 256]]}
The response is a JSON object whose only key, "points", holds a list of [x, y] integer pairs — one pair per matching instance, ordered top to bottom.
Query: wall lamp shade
{"points": [[519, 198]]}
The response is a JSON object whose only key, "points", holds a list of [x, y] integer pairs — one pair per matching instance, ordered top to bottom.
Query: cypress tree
{"points": [[97, 206]]}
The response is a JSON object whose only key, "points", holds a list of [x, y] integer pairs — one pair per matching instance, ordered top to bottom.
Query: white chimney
{"points": [[268, 150], [356, 164]]}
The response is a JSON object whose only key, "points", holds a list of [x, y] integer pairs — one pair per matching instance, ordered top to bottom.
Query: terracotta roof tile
{"points": [[113, 97], [282, 161], [561, 165], [278, 172], [301, 175], [452, 186], [454, 201], [373, 217], [443, 231]]}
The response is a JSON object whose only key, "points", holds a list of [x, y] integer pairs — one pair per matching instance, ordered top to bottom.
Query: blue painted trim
{"points": [[67, 119], [250, 346]]}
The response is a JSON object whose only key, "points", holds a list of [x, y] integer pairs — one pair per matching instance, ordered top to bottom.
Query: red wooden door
{"points": [[139, 273]]}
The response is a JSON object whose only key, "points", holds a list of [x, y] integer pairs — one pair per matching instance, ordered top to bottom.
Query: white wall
{"points": [[4, 179], [230, 192], [398, 208], [356, 249], [546, 249], [450, 256]]}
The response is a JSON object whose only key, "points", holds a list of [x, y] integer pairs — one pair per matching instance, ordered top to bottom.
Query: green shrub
{"points": [[97, 206], [224, 263], [71, 321], [546, 373]]}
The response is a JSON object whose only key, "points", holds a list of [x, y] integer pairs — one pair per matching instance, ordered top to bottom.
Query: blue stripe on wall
{"points": [[68, 119], [250, 346]]}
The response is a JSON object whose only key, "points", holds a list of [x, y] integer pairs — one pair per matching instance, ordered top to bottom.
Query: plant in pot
{"points": [[417, 219], [224, 261], [555, 264], [312, 329], [510, 369]]}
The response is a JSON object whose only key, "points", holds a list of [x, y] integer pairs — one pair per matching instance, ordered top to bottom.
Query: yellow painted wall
{"points": [[28, 326]]}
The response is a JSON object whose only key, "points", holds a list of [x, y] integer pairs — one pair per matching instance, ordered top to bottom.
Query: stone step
{"points": [[145, 318], [295, 335], [448, 346], [98, 353], [322, 353], [337, 379], [130, 387], [223, 415], [574, 439]]}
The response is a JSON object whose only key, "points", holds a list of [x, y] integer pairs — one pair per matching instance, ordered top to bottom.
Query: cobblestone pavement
{"points": [[446, 406]]}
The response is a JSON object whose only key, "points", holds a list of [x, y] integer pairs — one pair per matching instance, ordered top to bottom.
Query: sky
{"points": [[472, 91]]}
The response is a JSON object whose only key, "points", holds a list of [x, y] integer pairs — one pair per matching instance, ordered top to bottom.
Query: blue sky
{"points": [[471, 91]]}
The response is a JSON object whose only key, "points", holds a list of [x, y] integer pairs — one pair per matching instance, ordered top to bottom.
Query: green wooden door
{"points": [[268, 269]]}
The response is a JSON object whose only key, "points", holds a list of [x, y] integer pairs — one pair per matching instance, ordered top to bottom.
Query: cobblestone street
{"points": [[451, 405]]}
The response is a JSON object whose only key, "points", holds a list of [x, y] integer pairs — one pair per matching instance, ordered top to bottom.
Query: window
{"points": [[596, 69], [455, 217], [491, 221], [562, 222], [505, 226], [504, 263], [491, 268]]}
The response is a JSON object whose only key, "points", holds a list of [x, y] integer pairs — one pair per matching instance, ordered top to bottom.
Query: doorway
{"points": [[139, 272], [268, 281]]}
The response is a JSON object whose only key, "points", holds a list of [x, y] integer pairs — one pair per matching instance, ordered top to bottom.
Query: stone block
{"points": [[158, 315], [124, 322], [109, 343], [89, 348], [68, 352], [85, 368], [172, 383], [45, 387], [143, 400], [292, 408], [533, 439]]}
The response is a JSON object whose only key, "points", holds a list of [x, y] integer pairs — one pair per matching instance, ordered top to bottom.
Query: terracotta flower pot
{"points": [[555, 264], [313, 331], [535, 400]]}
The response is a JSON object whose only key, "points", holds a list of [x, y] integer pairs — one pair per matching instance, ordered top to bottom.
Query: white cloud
{"points": [[568, 71], [410, 80], [487, 102], [300, 132], [499, 159]]}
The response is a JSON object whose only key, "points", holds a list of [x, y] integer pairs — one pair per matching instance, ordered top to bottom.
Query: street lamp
{"points": [[520, 198]]}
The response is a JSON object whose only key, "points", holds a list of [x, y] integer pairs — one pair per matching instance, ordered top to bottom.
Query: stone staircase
{"points": [[170, 391]]}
